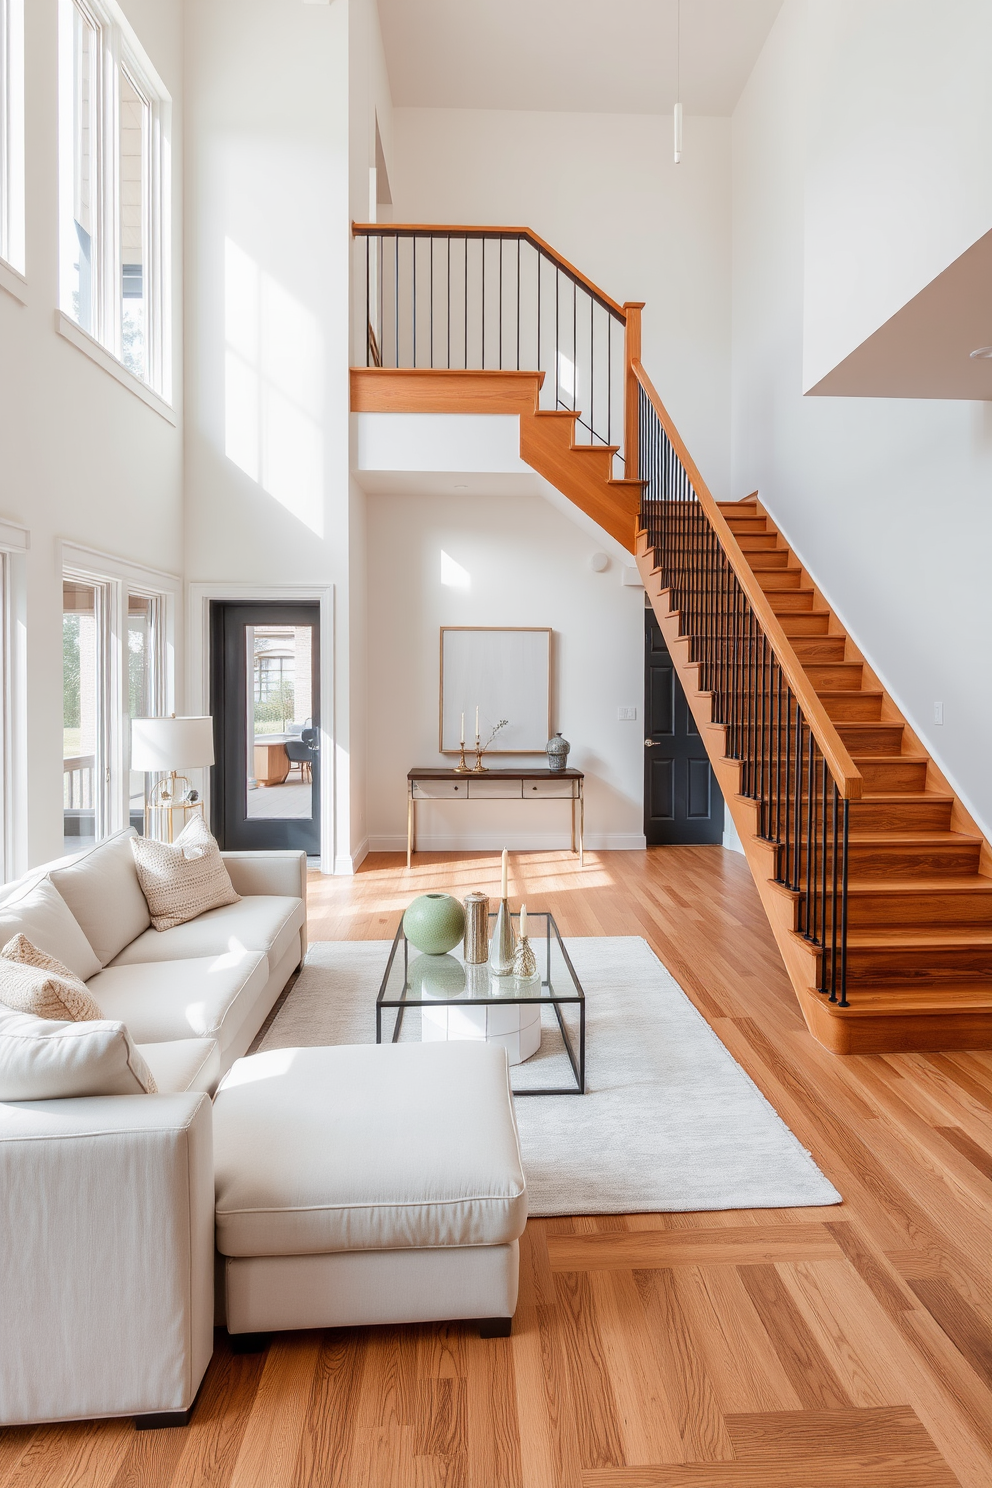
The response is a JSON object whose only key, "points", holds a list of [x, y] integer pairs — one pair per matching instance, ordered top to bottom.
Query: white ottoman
{"points": [[368, 1184]]}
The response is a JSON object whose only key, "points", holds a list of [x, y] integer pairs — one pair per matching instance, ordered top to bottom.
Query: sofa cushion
{"points": [[182, 879], [101, 888], [36, 909], [263, 922], [31, 981], [204, 997], [42, 1059], [183, 1064], [367, 1147]]}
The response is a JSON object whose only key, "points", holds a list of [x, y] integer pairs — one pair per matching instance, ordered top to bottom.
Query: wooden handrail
{"points": [[473, 230], [848, 778]]}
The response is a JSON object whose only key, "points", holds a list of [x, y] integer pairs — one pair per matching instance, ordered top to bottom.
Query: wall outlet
{"points": [[938, 712], [625, 714]]}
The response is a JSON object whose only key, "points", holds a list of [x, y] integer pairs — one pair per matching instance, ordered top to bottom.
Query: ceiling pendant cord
{"points": [[678, 82]]}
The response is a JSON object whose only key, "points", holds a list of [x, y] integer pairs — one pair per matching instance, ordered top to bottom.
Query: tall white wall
{"points": [[603, 190], [82, 457], [887, 501], [527, 564]]}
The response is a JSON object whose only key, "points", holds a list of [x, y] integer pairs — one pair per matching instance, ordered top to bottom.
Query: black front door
{"points": [[265, 699], [682, 801]]}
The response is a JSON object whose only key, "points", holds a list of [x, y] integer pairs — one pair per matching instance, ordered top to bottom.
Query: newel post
{"points": [[631, 396]]}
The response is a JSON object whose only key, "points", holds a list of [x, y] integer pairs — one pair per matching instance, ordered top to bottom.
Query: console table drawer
{"points": [[553, 788], [441, 790], [494, 790]]}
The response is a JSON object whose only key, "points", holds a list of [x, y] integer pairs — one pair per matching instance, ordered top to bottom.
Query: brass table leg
{"points": [[573, 819], [582, 828], [411, 829]]}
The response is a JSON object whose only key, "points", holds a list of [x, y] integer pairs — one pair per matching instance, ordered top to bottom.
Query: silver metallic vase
{"points": [[557, 752], [476, 929], [503, 944]]}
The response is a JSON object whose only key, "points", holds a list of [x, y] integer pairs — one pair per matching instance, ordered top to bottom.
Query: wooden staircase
{"points": [[919, 942], [901, 955]]}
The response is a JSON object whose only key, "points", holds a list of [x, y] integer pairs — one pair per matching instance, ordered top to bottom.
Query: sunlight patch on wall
{"points": [[273, 388], [453, 576]]}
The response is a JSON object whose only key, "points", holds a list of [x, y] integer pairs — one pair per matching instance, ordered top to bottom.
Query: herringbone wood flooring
{"points": [[830, 1348]]}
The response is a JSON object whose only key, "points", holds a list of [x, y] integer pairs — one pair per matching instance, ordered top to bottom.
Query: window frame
{"points": [[118, 53], [12, 182]]}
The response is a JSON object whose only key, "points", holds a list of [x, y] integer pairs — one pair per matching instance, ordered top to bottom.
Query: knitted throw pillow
{"points": [[183, 879], [31, 981]]}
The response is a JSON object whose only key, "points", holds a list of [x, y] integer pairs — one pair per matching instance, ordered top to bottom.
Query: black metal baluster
{"points": [[431, 240], [413, 293], [396, 296], [466, 302], [518, 302], [368, 303], [500, 304], [483, 320], [798, 808], [810, 862], [823, 869], [833, 902]]}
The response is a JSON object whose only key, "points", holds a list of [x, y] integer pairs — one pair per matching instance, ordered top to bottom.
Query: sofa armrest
{"points": [[268, 872], [107, 1269]]}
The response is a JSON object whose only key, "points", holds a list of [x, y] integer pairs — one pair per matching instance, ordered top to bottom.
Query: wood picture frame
{"points": [[505, 672]]}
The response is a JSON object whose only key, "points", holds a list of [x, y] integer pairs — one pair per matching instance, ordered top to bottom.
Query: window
{"points": [[12, 133], [114, 191], [116, 663]]}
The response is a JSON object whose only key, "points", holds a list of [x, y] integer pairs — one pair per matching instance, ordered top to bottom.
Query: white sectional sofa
{"points": [[107, 1267]]}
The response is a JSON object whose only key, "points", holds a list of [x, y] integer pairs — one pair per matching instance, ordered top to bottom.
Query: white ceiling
{"points": [[588, 56]]}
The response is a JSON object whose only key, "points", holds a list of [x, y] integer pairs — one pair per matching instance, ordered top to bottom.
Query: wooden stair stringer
{"points": [[547, 437]]}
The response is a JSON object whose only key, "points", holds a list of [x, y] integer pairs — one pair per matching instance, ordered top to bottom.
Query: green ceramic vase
{"points": [[434, 923]]}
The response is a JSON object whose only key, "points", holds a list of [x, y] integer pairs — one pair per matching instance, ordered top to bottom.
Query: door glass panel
{"points": [[134, 137], [141, 699], [81, 714], [279, 728]]}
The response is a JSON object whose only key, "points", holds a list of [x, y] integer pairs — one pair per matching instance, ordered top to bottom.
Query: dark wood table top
{"points": [[433, 772]]}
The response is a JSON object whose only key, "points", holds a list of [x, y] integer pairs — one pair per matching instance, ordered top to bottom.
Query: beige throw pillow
{"points": [[183, 879], [31, 981], [43, 1059]]}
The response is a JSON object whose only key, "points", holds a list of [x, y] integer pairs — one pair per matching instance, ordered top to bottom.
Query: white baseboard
{"points": [[515, 841], [346, 864]]}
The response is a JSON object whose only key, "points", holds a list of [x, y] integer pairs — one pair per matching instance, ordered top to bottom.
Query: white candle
{"points": [[476, 723], [463, 730], [506, 860], [523, 921]]}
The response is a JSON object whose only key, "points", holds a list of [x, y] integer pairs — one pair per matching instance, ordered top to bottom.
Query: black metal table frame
{"points": [[401, 1004]]}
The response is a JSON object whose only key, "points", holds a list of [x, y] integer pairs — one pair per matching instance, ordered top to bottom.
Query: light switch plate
{"points": [[938, 712], [626, 714]]}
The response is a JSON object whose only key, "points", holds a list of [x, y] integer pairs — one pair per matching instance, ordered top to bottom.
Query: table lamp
{"points": [[168, 746]]}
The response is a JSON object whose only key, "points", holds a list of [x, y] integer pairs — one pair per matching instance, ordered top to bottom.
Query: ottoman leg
{"points": [[495, 1327], [249, 1343], [159, 1419]]}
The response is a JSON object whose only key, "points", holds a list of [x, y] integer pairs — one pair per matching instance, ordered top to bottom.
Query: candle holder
{"points": [[462, 768], [478, 768], [502, 947], [524, 961]]}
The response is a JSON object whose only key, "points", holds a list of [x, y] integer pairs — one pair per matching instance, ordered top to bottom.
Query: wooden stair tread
{"points": [[888, 759], [900, 798], [908, 839], [965, 883], [938, 937], [895, 998]]}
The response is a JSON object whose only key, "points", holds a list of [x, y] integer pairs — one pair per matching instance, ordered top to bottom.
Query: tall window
{"points": [[12, 133], [114, 170], [84, 712]]}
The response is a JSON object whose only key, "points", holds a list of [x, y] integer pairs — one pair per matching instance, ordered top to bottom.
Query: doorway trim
{"points": [[198, 673]]}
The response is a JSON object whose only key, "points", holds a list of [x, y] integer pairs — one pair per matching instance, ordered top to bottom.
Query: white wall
{"points": [[899, 165], [602, 189], [83, 458], [886, 501], [528, 565]]}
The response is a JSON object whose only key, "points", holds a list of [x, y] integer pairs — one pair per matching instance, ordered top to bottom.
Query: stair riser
{"points": [[746, 524], [759, 542], [770, 559], [776, 580], [788, 601], [800, 624], [819, 648], [835, 677], [857, 707], [885, 738], [900, 775], [889, 816], [881, 860], [925, 907], [926, 965]]}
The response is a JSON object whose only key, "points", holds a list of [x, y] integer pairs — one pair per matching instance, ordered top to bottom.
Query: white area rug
{"points": [[670, 1121]]}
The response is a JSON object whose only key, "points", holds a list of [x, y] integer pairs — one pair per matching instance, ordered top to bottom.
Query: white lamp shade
{"points": [[171, 743]]}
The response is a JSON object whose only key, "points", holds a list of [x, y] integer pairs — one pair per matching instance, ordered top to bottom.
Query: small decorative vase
{"points": [[557, 752], [434, 923], [476, 929], [503, 944], [524, 961], [436, 976]]}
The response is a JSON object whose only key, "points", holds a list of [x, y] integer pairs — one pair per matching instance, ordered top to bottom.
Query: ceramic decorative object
{"points": [[557, 752], [434, 923], [476, 929], [503, 945], [524, 961], [436, 976]]}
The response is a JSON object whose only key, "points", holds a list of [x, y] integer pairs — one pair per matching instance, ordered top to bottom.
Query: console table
{"points": [[433, 784]]}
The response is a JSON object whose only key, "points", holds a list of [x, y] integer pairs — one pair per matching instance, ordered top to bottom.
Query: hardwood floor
{"points": [[848, 1347]]}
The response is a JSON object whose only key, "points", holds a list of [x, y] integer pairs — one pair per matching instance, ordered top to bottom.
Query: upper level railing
{"points": [[495, 298], [794, 765]]}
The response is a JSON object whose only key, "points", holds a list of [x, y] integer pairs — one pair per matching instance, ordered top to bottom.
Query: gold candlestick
{"points": [[462, 768], [479, 768]]}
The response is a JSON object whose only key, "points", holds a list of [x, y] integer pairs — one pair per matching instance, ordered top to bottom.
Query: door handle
{"points": [[651, 743]]}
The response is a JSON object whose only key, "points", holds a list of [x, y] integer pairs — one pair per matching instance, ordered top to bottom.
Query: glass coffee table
{"points": [[456, 1000]]}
